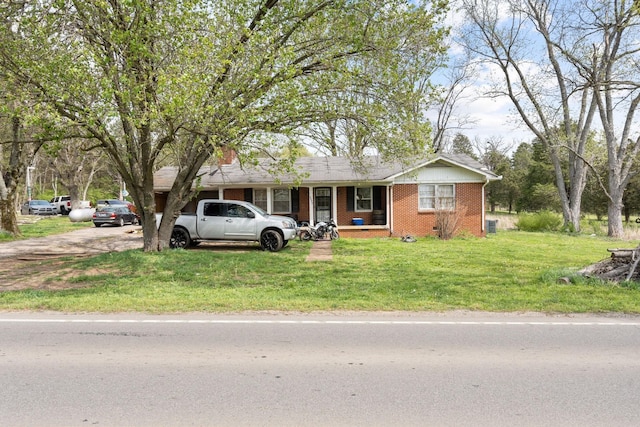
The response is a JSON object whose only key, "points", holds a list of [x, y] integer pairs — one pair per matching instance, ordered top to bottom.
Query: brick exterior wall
{"points": [[233, 194], [303, 213], [345, 216], [406, 217], [408, 220]]}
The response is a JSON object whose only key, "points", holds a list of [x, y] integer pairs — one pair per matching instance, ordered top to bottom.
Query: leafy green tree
{"points": [[192, 79], [462, 144], [494, 157], [539, 173], [516, 178], [497, 191], [632, 198], [594, 199]]}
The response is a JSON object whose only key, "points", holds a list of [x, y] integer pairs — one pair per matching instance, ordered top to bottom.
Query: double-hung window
{"points": [[436, 196], [260, 198], [364, 199], [281, 200]]}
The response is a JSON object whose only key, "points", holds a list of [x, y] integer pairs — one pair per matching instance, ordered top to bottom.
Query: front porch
{"points": [[361, 231], [364, 231]]}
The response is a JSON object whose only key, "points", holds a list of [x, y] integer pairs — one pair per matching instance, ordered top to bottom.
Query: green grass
{"points": [[42, 226], [507, 271]]}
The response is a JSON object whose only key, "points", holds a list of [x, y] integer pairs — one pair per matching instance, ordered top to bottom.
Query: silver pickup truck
{"points": [[232, 220]]}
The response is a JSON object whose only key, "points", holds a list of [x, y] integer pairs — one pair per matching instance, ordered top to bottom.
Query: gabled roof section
{"points": [[454, 159], [315, 170]]}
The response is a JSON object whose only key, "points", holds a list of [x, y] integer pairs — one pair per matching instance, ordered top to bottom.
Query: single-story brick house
{"points": [[369, 199]]}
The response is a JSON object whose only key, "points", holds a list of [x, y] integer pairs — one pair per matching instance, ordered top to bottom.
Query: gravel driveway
{"points": [[34, 263]]}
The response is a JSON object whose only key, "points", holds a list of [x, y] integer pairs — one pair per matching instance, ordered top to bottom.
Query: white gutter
{"points": [[334, 203], [390, 208], [311, 219], [482, 225]]}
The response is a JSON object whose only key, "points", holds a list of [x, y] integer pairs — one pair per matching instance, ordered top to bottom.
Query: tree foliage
{"points": [[191, 79]]}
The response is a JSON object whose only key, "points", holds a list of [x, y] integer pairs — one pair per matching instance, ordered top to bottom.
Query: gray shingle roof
{"points": [[315, 170]]}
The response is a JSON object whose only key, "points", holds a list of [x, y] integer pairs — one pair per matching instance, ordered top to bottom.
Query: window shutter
{"points": [[248, 195], [351, 196], [377, 197], [295, 200]]}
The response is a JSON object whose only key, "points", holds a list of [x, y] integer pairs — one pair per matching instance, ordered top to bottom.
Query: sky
{"points": [[487, 118], [491, 119]]}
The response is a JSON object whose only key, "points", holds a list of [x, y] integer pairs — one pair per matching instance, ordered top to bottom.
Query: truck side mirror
{"points": [[250, 214]]}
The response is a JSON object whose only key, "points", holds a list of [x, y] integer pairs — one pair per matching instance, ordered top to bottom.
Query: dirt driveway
{"points": [[36, 263]]}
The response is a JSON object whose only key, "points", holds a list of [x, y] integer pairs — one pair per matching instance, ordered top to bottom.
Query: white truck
{"points": [[61, 204], [232, 220]]}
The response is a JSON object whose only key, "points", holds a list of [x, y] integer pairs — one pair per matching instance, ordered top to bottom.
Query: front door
{"points": [[323, 204]]}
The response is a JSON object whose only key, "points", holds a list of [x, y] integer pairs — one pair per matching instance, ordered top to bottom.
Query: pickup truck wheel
{"points": [[179, 239], [271, 241]]}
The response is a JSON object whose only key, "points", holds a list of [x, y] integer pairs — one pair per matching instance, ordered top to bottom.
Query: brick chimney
{"points": [[228, 156]]}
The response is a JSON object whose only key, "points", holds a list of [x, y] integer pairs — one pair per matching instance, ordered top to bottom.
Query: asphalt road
{"points": [[335, 369]]}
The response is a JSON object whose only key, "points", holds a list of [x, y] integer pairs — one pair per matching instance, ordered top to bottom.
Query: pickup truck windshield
{"points": [[260, 211]]}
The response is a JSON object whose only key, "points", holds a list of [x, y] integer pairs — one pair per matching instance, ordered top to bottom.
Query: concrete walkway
{"points": [[320, 251]]}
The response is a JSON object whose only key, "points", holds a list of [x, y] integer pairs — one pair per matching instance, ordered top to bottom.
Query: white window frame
{"points": [[436, 196], [359, 198], [275, 200], [259, 202]]}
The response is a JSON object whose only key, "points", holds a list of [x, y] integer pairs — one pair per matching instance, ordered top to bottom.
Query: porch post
{"points": [[334, 203], [390, 208], [269, 209], [312, 220]]}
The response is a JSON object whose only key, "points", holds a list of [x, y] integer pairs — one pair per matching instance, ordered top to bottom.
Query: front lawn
{"points": [[507, 271]]}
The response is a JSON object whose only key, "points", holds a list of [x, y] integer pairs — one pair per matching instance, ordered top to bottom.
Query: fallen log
{"points": [[622, 253], [620, 267], [633, 269], [616, 272]]}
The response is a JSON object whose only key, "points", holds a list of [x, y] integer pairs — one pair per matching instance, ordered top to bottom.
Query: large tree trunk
{"points": [[10, 178], [74, 194], [180, 194], [572, 199], [615, 206], [9, 221], [615, 228]]}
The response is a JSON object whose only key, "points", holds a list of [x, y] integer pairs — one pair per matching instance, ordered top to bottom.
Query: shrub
{"points": [[541, 221], [448, 222]]}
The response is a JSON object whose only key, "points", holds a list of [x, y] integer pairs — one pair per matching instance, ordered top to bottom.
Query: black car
{"points": [[115, 202], [115, 215]]}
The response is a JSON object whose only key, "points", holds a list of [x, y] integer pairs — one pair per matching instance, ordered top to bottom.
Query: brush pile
{"points": [[621, 266]]}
